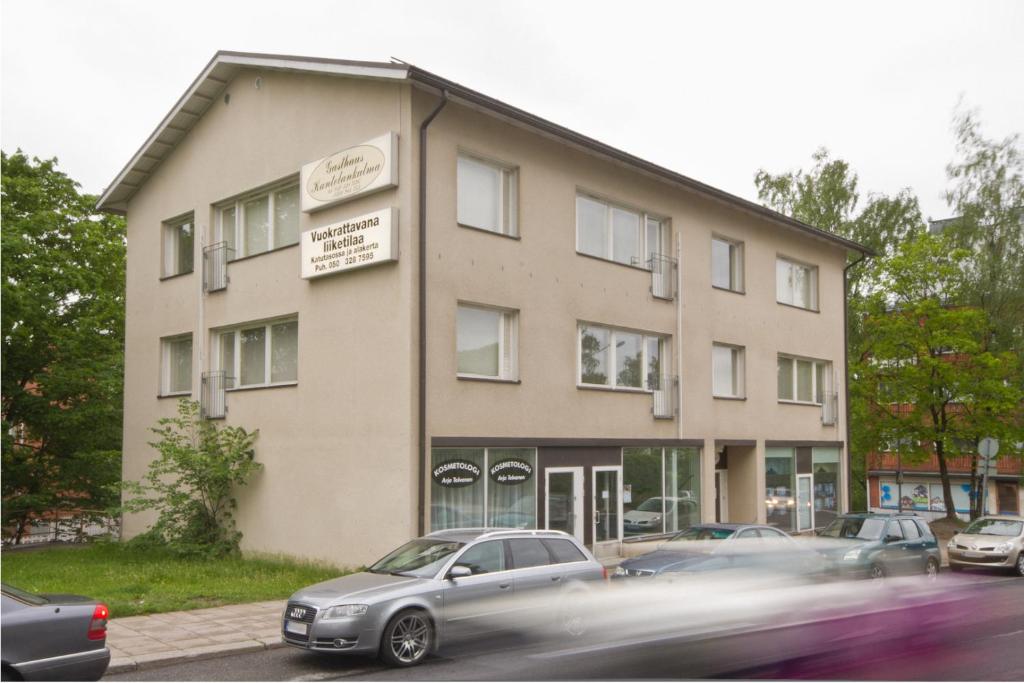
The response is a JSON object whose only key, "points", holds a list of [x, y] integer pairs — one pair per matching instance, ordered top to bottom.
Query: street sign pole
{"points": [[987, 449]]}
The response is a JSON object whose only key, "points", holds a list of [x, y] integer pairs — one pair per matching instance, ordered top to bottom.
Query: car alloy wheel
{"points": [[1020, 563], [931, 568], [876, 572], [408, 638]]}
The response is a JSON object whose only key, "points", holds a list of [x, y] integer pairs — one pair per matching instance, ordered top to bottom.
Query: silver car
{"points": [[996, 542], [434, 588]]}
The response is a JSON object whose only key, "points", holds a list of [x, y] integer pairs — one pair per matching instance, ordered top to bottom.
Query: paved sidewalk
{"points": [[157, 639]]}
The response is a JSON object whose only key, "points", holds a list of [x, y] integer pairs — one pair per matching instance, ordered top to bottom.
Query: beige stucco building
{"points": [[440, 310]]}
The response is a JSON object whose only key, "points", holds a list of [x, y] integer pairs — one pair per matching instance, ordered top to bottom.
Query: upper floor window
{"points": [[487, 196], [260, 222], [618, 234], [178, 246], [727, 264], [796, 284], [486, 342], [259, 354], [620, 359], [176, 365], [727, 371], [803, 380]]}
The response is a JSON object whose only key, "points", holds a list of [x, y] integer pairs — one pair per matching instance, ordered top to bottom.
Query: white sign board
{"points": [[350, 173], [354, 243]]}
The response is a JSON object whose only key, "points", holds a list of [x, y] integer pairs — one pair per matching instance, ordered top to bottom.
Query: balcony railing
{"points": [[215, 266], [663, 276], [665, 394], [212, 399], [830, 408]]}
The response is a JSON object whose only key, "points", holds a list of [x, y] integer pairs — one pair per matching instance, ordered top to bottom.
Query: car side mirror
{"points": [[892, 538], [459, 571]]}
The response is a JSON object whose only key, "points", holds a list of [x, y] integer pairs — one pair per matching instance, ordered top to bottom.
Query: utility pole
{"points": [[987, 449]]}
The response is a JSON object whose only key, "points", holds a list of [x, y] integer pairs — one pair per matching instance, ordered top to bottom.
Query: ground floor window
{"points": [[825, 468], [780, 485], [483, 487], [801, 487], [661, 489], [923, 496]]}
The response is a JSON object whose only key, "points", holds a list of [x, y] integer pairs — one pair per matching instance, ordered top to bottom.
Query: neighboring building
{"points": [[609, 348]]}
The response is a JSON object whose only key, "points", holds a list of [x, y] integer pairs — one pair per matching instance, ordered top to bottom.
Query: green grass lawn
{"points": [[132, 581]]}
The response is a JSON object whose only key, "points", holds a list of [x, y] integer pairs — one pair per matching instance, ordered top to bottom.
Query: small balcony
{"points": [[215, 266], [663, 276], [665, 393], [213, 397], [830, 408]]}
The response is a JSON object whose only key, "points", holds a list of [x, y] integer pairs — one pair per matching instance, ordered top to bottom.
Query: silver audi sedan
{"points": [[440, 586]]}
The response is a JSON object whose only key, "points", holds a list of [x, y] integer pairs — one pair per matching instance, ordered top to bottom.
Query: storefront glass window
{"points": [[825, 466], [780, 484], [477, 487], [511, 488], [661, 489]]}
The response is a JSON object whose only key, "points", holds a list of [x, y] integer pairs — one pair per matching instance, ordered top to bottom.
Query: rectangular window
{"points": [[487, 196], [260, 222], [617, 233], [179, 243], [726, 264], [796, 284], [486, 342], [259, 354], [619, 358], [176, 371], [727, 371], [803, 380], [483, 487], [780, 488], [661, 490]]}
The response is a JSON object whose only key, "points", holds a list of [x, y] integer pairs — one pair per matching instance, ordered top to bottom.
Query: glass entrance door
{"points": [[564, 500], [607, 504], [804, 511]]}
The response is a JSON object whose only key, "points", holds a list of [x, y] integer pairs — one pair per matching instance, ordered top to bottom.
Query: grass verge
{"points": [[132, 581]]}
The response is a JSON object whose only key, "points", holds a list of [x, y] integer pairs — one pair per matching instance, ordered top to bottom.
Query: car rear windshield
{"points": [[994, 527], [862, 528], [703, 533], [421, 558], [21, 595]]}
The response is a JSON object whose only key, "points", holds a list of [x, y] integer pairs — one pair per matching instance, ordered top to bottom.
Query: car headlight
{"points": [[951, 544], [1004, 547], [851, 554], [619, 571], [344, 611]]}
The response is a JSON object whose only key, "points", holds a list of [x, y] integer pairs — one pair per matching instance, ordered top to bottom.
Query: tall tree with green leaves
{"points": [[63, 331], [922, 375]]}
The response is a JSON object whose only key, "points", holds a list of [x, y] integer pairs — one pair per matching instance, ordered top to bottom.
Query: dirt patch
{"points": [[944, 529]]}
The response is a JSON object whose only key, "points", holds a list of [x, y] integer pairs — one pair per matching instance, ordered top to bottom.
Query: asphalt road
{"points": [[986, 644]]}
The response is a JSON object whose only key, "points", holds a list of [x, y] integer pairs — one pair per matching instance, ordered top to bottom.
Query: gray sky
{"points": [[714, 90]]}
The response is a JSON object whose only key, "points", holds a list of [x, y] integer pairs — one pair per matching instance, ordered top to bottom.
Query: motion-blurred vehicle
{"points": [[647, 517], [989, 542], [875, 545], [710, 547], [441, 586], [51, 637]]}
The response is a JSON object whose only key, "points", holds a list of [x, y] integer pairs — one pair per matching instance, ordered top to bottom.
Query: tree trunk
{"points": [[975, 487], [947, 490]]}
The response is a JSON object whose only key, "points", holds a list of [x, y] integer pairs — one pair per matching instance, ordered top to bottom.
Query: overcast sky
{"points": [[714, 90]]}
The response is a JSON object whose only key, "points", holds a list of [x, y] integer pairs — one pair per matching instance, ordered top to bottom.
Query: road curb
{"points": [[158, 659]]}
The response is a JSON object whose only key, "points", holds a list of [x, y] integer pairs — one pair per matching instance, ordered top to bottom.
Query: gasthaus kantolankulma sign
{"points": [[350, 173], [358, 242]]}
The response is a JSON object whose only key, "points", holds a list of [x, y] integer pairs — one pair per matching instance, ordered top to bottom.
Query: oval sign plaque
{"points": [[345, 174], [511, 472], [456, 473]]}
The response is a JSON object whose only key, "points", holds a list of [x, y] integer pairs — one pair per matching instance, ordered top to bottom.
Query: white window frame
{"points": [[508, 194], [238, 204], [664, 234], [170, 249], [812, 276], [736, 279], [508, 335], [165, 365], [818, 366], [739, 370], [235, 373], [644, 388]]}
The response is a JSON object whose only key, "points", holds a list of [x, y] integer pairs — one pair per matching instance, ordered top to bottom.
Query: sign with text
{"points": [[350, 173], [354, 243], [511, 471], [455, 473]]}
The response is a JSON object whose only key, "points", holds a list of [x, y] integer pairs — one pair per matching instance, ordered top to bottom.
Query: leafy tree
{"points": [[63, 331], [922, 374], [191, 483]]}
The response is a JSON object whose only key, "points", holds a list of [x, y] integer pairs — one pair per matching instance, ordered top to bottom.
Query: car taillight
{"points": [[604, 573], [98, 625]]}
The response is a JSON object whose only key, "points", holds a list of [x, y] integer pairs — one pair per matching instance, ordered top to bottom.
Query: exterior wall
{"points": [[331, 444], [745, 503]]}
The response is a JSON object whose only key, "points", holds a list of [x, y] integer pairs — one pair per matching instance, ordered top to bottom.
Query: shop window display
{"points": [[483, 487], [661, 489]]}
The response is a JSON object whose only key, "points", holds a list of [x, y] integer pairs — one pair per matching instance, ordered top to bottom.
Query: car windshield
{"points": [[650, 505], [994, 527], [862, 528], [702, 533], [421, 557], [21, 595]]}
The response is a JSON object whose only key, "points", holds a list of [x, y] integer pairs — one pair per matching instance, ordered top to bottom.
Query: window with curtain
{"points": [[486, 196], [260, 222], [617, 233], [178, 247], [726, 264], [796, 284], [486, 342], [259, 354], [177, 365], [727, 372], [803, 380], [476, 487], [511, 487], [456, 505]]}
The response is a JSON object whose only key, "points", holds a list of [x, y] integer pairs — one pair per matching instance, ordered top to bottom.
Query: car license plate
{"points": [[970, 554], [296, 627]]}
